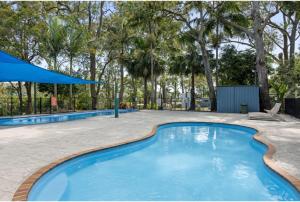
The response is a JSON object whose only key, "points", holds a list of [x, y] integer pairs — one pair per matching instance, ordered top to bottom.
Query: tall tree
{"points": [[146, 17], [199, 26], [95, 28], [254, 29], [20, 35], [284, 35], [120, 36], [75, 39], [55, 42], [139, 63], [188, 64]]}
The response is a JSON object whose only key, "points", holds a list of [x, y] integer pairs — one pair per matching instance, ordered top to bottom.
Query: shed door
{"points": [[247, 95], [225, 99]]}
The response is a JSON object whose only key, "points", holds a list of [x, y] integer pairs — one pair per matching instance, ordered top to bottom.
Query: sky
{"points": [[278, 20]]}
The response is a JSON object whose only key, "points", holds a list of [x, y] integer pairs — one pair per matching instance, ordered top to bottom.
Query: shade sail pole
{"points": [[34, 97]]}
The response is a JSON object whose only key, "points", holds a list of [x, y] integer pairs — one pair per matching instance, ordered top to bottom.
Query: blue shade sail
{"points": [[13, 69]]}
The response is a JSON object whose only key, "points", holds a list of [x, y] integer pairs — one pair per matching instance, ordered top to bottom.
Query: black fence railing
{"points": [[180, 104], [42, 105], [10, 106], [13, 106], [292, 106]]}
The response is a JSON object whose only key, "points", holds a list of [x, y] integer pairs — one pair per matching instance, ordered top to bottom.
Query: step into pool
{"points": [[31, 120], [183, 161]]}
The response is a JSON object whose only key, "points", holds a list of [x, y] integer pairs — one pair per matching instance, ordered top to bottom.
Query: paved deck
{"points": [[23, 150]]}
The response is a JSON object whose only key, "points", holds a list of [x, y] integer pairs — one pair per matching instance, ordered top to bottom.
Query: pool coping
{"points": [[54, 113], [59, 114], [23, 190]]}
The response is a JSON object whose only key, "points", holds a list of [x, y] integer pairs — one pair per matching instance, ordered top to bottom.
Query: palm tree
{"points": [[145, 16], [55, 42], [74, 43], [188, 62], [139, 64]]}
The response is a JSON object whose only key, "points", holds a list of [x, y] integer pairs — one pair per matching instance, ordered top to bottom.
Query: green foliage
{"points": [[20, 28], [75, 38], [132, 38], [54, 39], [237, 68], [279, 87], [62, 89]]}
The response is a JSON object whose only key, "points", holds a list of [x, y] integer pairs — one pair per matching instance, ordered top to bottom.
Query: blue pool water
{"points": [[58, 117], [183, 161]]}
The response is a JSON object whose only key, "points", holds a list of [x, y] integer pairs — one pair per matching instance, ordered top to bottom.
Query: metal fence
{"points": [[179, 104], [42, 105], [10, 106], [292, 106]]}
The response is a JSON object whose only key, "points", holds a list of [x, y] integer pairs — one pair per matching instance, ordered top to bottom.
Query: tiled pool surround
{"points": [[23, 191]]}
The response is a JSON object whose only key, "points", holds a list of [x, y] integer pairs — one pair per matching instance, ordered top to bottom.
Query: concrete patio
{"points": [[23, 150]]}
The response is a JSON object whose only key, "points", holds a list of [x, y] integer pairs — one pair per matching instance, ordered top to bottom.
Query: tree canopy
{"points": [[155, 49]]}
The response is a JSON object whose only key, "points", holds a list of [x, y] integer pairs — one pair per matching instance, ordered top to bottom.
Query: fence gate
{"points": [[292, 106]]}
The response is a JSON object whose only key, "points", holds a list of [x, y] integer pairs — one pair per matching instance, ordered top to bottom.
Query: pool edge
{"points": [[23, 190]]}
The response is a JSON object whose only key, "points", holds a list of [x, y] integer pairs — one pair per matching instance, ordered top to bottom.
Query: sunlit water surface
{"points": [[32, 120], [184, 161]]}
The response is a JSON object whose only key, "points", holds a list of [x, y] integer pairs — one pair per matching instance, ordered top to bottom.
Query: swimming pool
{"points": [[58, 117], [183, 161]]}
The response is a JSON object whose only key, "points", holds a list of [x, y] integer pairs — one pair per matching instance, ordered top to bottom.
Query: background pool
{"points": [[58, 117], [184, 161]]}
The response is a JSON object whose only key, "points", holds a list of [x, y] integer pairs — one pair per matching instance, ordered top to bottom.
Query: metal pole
{"points": [[34, 97]]}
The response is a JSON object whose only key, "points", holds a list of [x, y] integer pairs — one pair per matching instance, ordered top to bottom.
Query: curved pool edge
{"points": [[121, 111], [24, 189]]}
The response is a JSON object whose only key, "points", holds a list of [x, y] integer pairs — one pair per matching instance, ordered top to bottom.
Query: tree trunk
{"points": [[285, 43], [292, 44], [93, 48], [292, 51], [217, 55], [260, 58], [55, 68], [152, 68], [261, 69], [208, 75], [93, 78], [152, 78], [182, 83], [71, 87], [155, 90], [108, 92], [134, 92], [121, 93], [145, 93], [175, 93], [20, 96], [164, 96], [29, 98], [193, 102]]}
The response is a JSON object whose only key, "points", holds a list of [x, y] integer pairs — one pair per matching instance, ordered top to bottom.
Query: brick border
{"points": [[23, 191]]}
